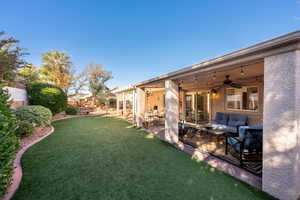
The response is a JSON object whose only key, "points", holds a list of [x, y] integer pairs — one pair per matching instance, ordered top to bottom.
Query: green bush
{"points": [[47, 95], [71, 110], [36, 115], [24, 128], [9, 143]]}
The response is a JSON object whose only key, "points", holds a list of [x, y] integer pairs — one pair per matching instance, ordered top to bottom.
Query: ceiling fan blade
{"points": [[236, 85]]}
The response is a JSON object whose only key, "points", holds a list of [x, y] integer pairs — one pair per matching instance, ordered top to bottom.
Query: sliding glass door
{"points": [[197, 107], [202, 107], [189, 109]]}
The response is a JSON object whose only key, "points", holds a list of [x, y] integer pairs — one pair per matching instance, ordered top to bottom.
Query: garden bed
{"points": [[38, 132]]}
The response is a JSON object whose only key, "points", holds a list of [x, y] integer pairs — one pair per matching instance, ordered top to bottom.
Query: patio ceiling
{"points": [[215, 78], [206, 80]]}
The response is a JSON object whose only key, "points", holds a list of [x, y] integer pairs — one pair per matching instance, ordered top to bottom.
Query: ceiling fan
{"points": [[229, 82]]}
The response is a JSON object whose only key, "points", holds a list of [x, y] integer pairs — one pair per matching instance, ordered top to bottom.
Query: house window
{"points": [[245, 98]]}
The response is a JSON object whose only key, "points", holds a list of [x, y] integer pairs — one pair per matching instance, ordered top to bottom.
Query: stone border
{"points": [[17, 174]]}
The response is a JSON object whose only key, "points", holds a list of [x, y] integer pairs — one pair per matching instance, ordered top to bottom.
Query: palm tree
{"points": [[57, 69]]}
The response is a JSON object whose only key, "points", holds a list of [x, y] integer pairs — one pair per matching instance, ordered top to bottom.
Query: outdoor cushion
{"points": [[221, 118], [237, 120], [219, 126], [232, 129], [243, 129], [252, 137]]}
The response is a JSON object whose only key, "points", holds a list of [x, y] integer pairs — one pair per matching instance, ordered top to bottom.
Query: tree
{"points": [[11, 58], [57, 69], [30, 74], [97, 78], [80, 83]]}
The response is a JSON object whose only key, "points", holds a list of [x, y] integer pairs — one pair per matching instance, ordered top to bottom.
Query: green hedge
{"points": [[47, 95], [71, 110], [36, 115], [24, 128], [9, 143]]}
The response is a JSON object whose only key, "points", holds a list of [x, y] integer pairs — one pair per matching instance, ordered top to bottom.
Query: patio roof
{"points": [[256, 53]]}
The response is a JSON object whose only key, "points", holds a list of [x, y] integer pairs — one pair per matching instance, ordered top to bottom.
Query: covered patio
{"points": [[254, 87], [236, 89]]}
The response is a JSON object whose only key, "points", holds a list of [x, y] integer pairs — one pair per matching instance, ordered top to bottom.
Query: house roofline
{"points": [[268, 45], [123, 89]]}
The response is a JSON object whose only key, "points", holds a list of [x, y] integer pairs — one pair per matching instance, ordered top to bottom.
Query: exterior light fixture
{"points": [[242, 71], [214, 93]]}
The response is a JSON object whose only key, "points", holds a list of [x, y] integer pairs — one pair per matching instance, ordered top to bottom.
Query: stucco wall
{"points": [[155, 98], [140, 106], [171, 111], [281, 150]]}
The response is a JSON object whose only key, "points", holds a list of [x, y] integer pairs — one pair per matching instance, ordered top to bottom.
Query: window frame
{"points": [[243, 110]]}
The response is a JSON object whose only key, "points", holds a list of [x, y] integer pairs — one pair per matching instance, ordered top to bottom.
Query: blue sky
{"points": [[140, 39]]}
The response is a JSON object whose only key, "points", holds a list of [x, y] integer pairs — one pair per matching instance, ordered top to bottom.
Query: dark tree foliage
{"points": [[11, 57]]}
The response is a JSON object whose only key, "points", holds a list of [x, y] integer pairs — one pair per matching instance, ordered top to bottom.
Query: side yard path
{"points": [[108, 158]]}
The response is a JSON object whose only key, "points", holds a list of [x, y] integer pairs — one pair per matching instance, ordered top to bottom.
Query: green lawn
{"points": [[107, 158]]}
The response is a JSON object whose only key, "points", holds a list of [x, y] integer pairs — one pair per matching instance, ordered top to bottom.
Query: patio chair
{"points": [[182, 129], [247, 144]]}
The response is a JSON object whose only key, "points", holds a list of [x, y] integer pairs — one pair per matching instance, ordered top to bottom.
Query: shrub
{"points": [[47, 95], [71, 110], [36, 115], [24, 128], [9, 143]]}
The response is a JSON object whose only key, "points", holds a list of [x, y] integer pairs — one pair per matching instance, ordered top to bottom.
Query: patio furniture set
{"points": [[154, 117], [245, 141]]}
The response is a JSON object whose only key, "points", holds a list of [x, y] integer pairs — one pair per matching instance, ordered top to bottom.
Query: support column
{"points": [[124, 103], [133, 105], [118, 106], [140, 106], [183, 106], [172, 111], [281, 138]]}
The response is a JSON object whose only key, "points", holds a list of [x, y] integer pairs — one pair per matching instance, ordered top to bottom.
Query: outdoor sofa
{"points": [[229, 122]]}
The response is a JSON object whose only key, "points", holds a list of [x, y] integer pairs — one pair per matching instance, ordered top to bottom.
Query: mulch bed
{"points": [[42, 131], [37, 133]]}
